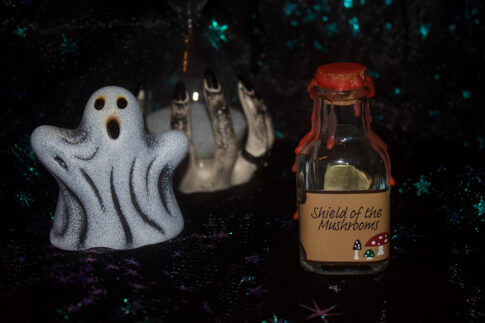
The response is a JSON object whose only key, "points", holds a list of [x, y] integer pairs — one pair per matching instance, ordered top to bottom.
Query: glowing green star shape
{"points": [[422, 186], [480, 206]]}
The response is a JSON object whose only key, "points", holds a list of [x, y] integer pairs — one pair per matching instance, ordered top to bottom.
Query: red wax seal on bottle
{"points": [[342, 77]]}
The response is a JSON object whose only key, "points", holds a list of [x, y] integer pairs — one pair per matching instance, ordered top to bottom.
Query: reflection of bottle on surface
{"points": [[343, 176]]}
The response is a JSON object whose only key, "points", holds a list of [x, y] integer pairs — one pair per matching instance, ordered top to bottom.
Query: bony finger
{"points": [[213, 95], [141, 96], [180, 114], [269, 127], [257, 139], [225, 143]]}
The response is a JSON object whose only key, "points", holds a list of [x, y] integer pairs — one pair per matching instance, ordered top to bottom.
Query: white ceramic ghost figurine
{"points": [[115, 181]]}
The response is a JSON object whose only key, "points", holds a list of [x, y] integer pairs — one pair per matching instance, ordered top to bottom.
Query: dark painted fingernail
{"points": [[210, 78], [248, 85], [180, 92]]}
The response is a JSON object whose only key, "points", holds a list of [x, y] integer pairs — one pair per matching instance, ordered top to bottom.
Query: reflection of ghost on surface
{"points": [[217, 157]]}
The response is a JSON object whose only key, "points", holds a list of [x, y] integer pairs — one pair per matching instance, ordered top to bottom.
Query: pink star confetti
{"points": [[286, 223], [222, 235], [89, 259], [253, 259], [133, 262], [132, 272], [64, 280], [137, 286], [185, 288], [335, 288], [98, 291], [256, 291], [87, 300], [72, 308], [322, 313]]}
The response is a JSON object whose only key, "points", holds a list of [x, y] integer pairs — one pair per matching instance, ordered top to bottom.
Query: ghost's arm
{"points": [[142, 99], [180, 118], [167, 152]]}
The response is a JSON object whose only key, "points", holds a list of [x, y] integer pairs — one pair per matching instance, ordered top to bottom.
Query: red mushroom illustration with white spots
{"points": [[378, 240]]}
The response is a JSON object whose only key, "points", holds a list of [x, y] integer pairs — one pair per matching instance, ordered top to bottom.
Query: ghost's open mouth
{"points": [[113, 128]]}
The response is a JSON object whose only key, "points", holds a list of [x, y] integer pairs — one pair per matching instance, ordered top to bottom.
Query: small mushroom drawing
{"points": [[378, 240], [357, 247], [369, 254]]}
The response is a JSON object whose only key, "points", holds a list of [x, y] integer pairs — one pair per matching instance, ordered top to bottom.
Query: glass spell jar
{"points": [[343, 175]]}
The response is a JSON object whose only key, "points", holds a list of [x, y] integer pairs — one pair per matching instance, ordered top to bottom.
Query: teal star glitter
{"points": [[388, 2], [348, 4], [289, 7], [354, 22], [388, 26], [331, 28], [424, 30], [19, 31], [216, 34], [290, 44], [317, 45], [68, 46], [373, 74], [467, 94], [481, 143], [25, 158], [422, 186], [24, 198], [480, 206], [455, 218], [335, 288], [275, 319]]}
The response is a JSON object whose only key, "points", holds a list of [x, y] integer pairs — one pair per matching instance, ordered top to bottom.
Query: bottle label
{"points": [[345, 226]]}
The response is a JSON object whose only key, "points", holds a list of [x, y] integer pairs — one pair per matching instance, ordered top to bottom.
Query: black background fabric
{"points": [[237, 258]]}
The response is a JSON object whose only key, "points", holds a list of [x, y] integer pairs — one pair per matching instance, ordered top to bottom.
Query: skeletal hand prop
{"points": [[231, 164]]}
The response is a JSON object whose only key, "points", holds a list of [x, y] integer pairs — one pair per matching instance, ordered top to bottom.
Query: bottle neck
{"points": [[338, 120]]}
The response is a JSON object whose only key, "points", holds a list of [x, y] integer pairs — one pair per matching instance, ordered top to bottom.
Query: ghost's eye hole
{"points": [[99, 103], [121, 103]]}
